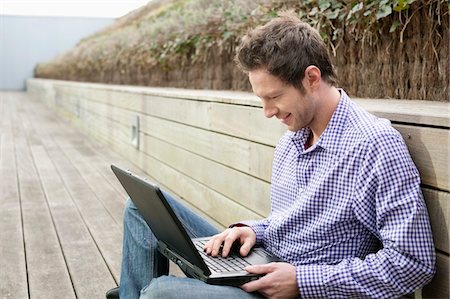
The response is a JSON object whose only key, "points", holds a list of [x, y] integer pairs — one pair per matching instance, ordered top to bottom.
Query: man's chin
{"points": [[293, 128]]}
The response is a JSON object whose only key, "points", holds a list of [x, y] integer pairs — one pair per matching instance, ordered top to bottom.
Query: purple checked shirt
{"points": [[348, 212]]}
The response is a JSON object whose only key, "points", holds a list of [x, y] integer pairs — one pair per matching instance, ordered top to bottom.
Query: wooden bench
{"points": [[214, 148]]}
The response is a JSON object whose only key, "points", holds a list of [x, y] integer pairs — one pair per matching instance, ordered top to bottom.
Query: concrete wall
{"points": [[26, 40]]}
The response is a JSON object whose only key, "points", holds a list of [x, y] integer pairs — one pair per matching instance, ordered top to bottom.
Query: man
{"points": [[347, 213]]}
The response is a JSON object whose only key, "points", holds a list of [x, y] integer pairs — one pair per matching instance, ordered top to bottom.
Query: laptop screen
{"points": [[160, 217]]}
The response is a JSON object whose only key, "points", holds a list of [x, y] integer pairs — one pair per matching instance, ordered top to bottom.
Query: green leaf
{"points": [[324, 4], [400, 5], [357, 7], [313, 11], [383, 11], [333, 14], [394, 26], [227, 34]]}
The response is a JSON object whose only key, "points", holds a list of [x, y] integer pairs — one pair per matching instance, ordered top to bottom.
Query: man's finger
{"points": [[228, 243], [216, 246], [245, 248], [260, 269], [252, 286]]}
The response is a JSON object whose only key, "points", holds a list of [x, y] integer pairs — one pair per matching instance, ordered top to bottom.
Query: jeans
{"points": [[144, 270]]}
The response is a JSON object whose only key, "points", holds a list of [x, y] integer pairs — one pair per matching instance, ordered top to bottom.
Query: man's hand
{"points": [[243, 234], [280, 280]]}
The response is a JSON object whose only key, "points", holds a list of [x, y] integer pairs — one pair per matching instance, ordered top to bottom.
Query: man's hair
{"points": [[285, 47]]}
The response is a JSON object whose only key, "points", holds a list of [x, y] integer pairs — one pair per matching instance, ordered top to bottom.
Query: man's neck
{"points": [[327, 101]]}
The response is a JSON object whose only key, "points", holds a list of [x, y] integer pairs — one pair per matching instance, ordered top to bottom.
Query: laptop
{"points": [[175, 244]]}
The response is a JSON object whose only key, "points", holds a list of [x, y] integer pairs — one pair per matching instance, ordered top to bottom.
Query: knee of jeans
{"points": [[129, 204], [129, 208], [130, 214], [161, 287]]}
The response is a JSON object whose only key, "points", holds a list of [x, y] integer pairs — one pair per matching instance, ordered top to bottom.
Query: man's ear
{"points": [[312, 77]]}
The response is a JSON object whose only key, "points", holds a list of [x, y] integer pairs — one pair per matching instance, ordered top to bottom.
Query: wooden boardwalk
{"points": [[60, 206]]}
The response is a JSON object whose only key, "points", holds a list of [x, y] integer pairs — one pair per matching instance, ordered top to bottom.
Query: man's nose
{"points": [[269, 110]]}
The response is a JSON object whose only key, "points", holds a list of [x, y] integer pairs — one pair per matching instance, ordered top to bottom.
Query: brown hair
{"points": [[285, 46]]}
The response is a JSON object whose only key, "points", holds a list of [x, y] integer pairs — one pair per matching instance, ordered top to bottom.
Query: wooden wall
{"points": [[214, 148]]}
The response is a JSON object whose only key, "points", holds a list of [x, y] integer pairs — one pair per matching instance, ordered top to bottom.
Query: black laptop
{"points": [[175, 244]]}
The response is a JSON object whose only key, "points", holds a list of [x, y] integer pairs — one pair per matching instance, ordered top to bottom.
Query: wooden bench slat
{"points": [[409, 111], [240, 122], [429, 148], [225, 149], [230, 183], [438, 204]]}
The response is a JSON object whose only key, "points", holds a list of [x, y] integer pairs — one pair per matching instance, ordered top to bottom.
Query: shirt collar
{"points": [[329, 140]]}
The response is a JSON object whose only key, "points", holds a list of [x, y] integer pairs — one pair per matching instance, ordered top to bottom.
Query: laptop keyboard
{"points": [[221, 264]]}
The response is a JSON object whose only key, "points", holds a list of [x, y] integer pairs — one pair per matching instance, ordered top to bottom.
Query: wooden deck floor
{"points": [[60, 206]]}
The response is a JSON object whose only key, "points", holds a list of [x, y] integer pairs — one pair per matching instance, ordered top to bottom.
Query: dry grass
{"points": [[191, 43]]}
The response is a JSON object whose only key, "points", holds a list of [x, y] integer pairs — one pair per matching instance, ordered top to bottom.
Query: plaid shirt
{"points": [[335, 204]]}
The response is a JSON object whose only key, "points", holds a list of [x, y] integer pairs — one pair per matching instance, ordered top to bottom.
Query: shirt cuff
{"points": [[310, 280]]}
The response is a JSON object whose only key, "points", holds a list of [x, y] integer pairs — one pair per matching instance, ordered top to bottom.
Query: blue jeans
{"points": [[144, 269]]}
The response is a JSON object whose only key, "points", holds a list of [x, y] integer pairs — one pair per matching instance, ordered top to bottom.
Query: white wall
{"points": [[28, 40]]}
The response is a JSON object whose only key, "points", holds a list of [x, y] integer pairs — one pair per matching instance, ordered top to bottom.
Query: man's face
{"points": [[294, 108]]}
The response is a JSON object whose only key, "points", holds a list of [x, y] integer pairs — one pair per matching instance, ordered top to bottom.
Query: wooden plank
{"points": [[44, 90], [410, 111], [193, 113], [426, 113], [241, 122], [245, 122], [166, 124], [429, 148], [225, 149], [131, 153], [243, 155], [236, 185], [244, 189], [112, 199], [438, 204], [215, 206], [219, 208], [100, 225], [105, 230], [47, 273], [13, 274], [90, 276], [439, 286]]}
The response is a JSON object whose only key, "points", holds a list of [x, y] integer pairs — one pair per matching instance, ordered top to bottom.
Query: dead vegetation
{"points": [[381, 49]]}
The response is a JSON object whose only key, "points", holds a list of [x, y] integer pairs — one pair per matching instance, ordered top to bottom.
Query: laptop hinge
{"points": [[188, 268]]}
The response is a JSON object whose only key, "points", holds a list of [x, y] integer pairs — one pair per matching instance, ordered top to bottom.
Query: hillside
{"points": [[381, 49]]}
